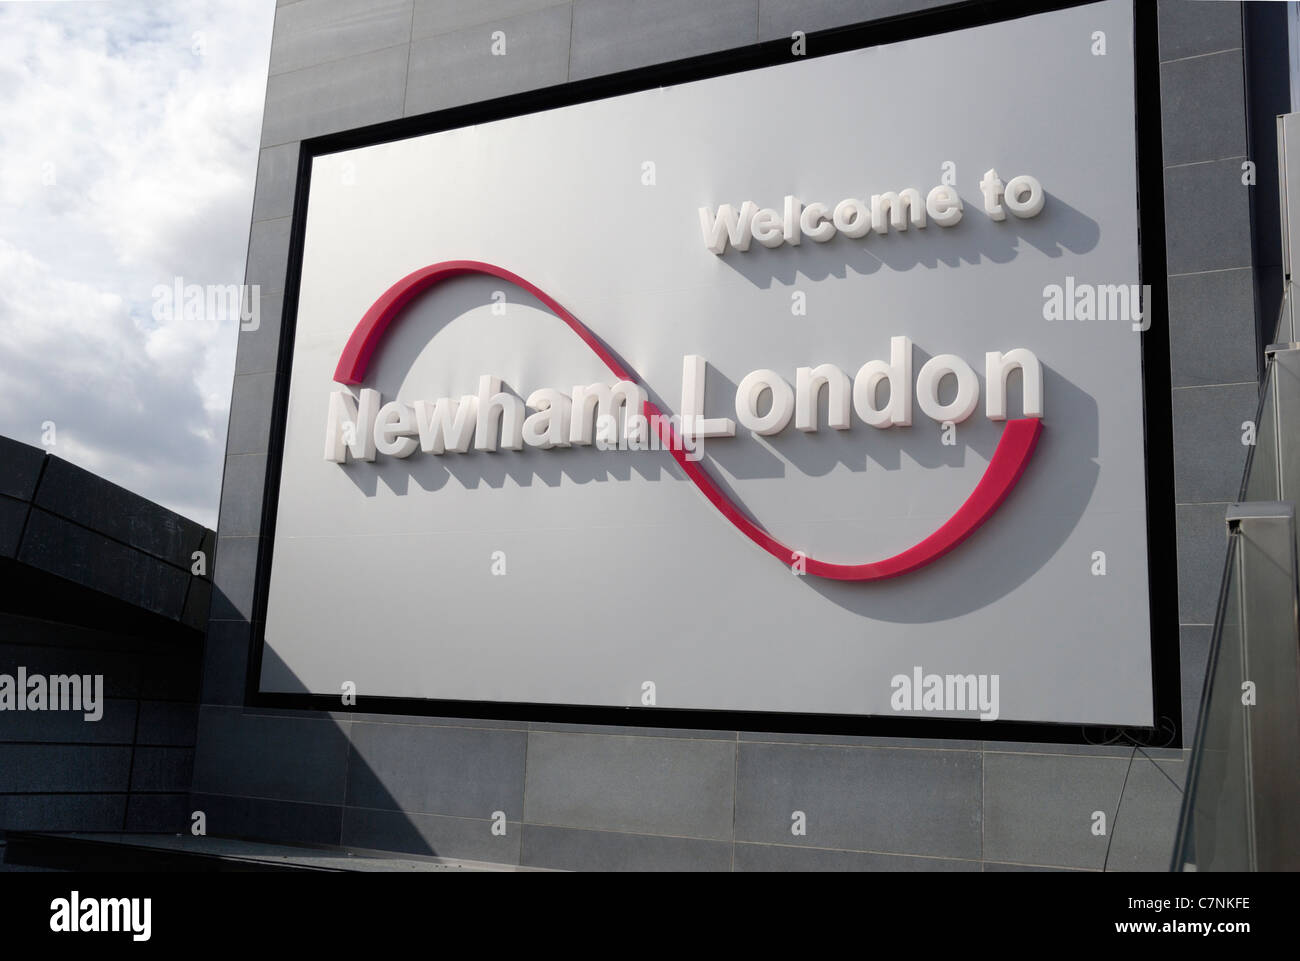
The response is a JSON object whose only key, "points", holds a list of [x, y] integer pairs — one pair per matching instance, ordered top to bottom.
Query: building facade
{"points": [[99, 585], [586, 792]]}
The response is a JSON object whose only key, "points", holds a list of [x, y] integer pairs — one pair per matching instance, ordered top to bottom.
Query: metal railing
{"points": [[1241, 808]]}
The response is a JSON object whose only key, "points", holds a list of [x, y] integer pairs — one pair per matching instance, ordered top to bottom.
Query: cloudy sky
{"points": [[128, 151]]}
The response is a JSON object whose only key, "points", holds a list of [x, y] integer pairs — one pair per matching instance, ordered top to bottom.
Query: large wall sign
{"points": [[734, 395]]}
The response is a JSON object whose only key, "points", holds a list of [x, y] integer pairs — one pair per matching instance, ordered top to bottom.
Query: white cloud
{"points": [[128, 151]]}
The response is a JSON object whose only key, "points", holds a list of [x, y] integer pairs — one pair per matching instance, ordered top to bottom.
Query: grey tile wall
{"points": [[436, 16], [780, 18], [1189, 29], [319, 31], [614, 35], [489, 60], [335, 95], [1202, 97], [277, 172], [1207, 218], [1211, 296], [258, 346], [1207, 350], [1209, 455], [20, 466], [241, 513], [58, 546], [1202, 550], [236, 564], [284, 758], [60, 772], [464, 772], [634, 785], [615, 798], [918, 801], [1042, 808], [1143, 834], [432, 835], [568, 849], [785, 857]]}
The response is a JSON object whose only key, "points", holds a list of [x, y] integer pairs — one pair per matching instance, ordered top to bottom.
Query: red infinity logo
{"points": [[1019, 437]]}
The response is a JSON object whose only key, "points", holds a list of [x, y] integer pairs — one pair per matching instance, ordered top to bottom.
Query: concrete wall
{"points": [[606, 798]]}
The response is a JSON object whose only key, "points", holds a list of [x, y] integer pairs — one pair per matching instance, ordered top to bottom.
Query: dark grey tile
{"points": [[437, 16], [780, 18], [1191, 27], [317, 31], [614, 35], [449, 69], [335, 96], [1203, 108], [277, 173], [1207, 217], [268, 255], [1212, 328], [258, 348], [250, 414], [1209, 457], [20, 466], [242, 487], [78, 495], [13, 515], [209, 547], [1202, 551], [73, 552], [236, 568], [198, 603], [1194, 643], [225, 662], [120, 669], [173, 676], [307, 713], [1191, 714], [469, 722], [170, 723], [115, 726], [630, 730], [863, 740], [1117, 749], [292, 759], [63, 768], [162, 769], [437, 770], [637, 785], [895, 801], [1039, 809], [62, 812], [158, 813], [266, 820], [1147, 824], [431, 835], [567, 849], [785, 857], [9, 867], [1004, 868]]}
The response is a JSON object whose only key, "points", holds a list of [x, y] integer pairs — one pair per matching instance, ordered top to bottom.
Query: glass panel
{"points": [[1285, 380], [1260, 482], [1266, 560], [1215, 834]]}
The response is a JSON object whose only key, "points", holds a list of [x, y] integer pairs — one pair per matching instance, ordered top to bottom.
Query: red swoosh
{"points": [[1014, 449]]}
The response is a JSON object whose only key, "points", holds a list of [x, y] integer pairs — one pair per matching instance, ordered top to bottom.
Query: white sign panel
{"points": [[815, 388]]}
